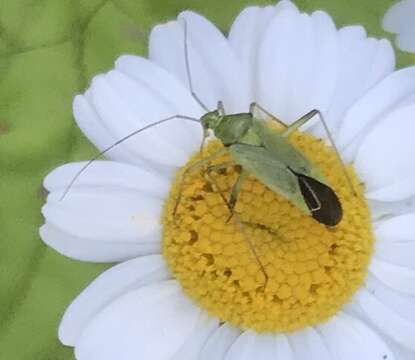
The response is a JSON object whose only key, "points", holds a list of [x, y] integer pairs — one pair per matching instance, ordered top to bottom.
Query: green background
{"points": [[49, 50]]}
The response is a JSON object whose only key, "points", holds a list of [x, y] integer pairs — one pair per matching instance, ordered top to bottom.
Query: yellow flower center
{"points": [[312, 270]]}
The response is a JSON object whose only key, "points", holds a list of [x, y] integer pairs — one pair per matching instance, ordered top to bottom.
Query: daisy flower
{"points": [[399, 19], [188, 286]]}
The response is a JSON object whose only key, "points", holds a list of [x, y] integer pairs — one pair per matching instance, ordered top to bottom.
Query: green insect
{"points": [[261, 152], [270, 158]]}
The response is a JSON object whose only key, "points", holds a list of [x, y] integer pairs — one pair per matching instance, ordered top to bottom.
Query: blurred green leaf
{"points": [[49, 50]]}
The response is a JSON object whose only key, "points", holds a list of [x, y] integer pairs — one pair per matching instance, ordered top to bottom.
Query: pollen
{"points": [[270, 267]]}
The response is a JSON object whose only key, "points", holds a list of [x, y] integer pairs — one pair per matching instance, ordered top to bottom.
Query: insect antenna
{"points": [[188, 73], [103, 152]]}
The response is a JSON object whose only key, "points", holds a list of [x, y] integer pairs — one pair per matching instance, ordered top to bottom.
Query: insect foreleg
{"points": [[255, 105], [307, 117], [202, 144], [194, 167], [217, 167], [212, 168], [236, 189], [237, 218]]}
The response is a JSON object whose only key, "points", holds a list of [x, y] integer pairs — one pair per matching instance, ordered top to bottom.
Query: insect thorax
{"points": [[233, 128]]}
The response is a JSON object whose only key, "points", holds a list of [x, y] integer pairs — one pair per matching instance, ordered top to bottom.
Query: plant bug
{"points": [[259, 151], [268, 156]]}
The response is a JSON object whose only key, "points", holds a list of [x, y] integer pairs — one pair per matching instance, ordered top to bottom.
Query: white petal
{"points": [[400, 16], [246, 29], [246, 34], [406, 40], [167, 49], [325, 63], [362, 63], [297, 64], [285, 65], [227, 68], [227, 82], [164, 85], [136, 96], [369, 109], [122, 117], [90, 124], [389, 170], [109, 174], [381, 210], [105, 214], [100, 218], [397, 229], [95, 250], [397, 253], [402, 254], [397, 277], [111, 284], [403, 305], [386, 320], [152, 322], [203, 330], [349, 338], [219, 343], [307, 344], [251, 345], [399, 351]]}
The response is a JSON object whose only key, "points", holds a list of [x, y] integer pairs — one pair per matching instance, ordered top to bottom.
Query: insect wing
{"points": [[282, 150], [270, 171]]}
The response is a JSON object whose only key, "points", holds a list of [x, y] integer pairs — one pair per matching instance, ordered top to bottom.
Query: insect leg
{"points": [[187, 63], [255, 105], [307, 117], [300, 122], [202, 144], [194, 167], [217, 167], [236, 189], [237, 218]]}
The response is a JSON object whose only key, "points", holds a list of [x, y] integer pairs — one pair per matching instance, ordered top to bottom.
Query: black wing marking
{"points": [[321, 200]]}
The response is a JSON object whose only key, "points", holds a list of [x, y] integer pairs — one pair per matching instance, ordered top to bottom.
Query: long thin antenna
{"points": [[188, 73], [103, 152]]}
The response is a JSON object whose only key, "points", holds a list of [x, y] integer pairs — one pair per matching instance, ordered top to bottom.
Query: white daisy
{"points": [[399, 19], [192, 289]]}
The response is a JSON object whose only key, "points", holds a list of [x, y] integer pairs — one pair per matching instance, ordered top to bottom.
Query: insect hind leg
{"points": [[255, 105], [307, 117], [191, 168]]}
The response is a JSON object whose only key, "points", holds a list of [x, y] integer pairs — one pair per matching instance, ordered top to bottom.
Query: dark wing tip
{"points": [[321, 200]]}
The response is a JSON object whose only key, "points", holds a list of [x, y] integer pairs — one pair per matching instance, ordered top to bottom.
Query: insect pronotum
{"points": [[260, 152]]}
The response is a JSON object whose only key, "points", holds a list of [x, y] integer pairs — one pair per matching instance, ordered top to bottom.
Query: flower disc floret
{"points": [[312, 270]]}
